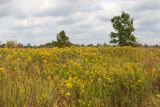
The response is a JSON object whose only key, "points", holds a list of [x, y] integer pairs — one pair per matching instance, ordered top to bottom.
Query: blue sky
{"points": [[84, 21]]}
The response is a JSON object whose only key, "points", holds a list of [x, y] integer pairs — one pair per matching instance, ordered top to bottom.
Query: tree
{"points": [[124, 27], [62, 40], [11, 44], [49, 45], [90, 45], [28, 46]]}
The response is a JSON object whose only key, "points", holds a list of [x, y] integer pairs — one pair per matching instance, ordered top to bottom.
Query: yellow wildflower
{"points": [[67, 94]]}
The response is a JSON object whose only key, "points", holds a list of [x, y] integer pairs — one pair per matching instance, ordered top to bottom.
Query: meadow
{"points": [[80, 77]]}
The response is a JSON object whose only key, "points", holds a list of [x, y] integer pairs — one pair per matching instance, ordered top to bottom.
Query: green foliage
{"points": [[124, 27], [62, 40], [49, 45], [90, 45]]}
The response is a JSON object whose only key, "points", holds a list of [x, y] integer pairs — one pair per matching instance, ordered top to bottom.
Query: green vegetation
{"points": [[124, 27], [62, 40]]}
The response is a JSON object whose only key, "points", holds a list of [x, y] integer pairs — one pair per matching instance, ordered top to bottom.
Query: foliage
{"points": [[124, 27], [62, 40], [11, 44], [2, 45], [50, 45], [90, 45], [78, 76]]}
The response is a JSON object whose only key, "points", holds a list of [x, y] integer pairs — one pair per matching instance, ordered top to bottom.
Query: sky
{"points": [[84, 21]]}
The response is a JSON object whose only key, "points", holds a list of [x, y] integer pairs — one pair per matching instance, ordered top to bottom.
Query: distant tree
{"points": [[124, 27], [62, 40], [11, 44], [104, 44], [138, 44], [2, 45], [20, 45], [49, 45], [77, 45], [83, 45], [90, 45], [98, 45], [145, 45], [156, 45], [28, 46], [34, 46]]}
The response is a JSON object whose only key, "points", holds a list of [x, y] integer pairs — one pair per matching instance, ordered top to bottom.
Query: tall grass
{"points": [[78, 76]]}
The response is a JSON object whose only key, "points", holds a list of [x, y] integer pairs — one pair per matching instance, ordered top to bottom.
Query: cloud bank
{"points": [[84, 21]]}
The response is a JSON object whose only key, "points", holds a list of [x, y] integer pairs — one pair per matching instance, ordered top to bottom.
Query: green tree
{"points": [[124, 26], [62, 40]]}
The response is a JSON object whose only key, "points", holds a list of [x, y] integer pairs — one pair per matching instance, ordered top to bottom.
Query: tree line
{"points": [[123, 36]]}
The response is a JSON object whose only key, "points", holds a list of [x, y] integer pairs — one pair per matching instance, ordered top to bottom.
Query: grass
{"points": [[80, 76]]}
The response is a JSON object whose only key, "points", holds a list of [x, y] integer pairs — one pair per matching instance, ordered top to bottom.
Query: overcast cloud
{"points": [[84, 21]]}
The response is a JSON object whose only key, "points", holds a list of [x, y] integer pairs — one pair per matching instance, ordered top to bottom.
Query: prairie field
{"points": [[80, 77]]}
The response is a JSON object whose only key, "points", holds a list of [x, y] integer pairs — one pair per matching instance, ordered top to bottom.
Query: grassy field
{"points": [[80, 76]]}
